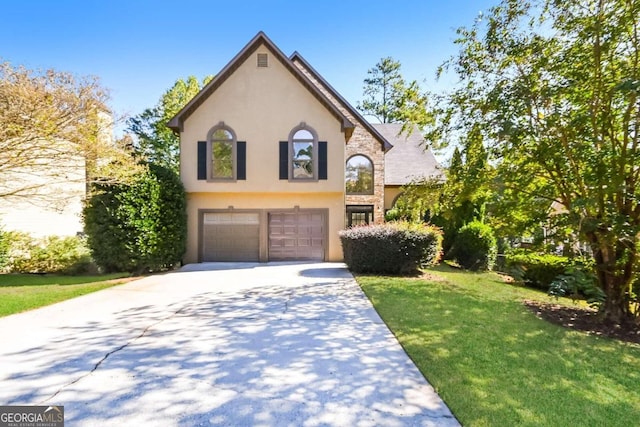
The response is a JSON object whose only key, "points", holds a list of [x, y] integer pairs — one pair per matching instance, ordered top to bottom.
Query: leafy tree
{"points": [[553, 86], [382, 90], [389, 99], [53, 129], [154, 141], [223, 153], [468, 190], [461, 199], [418, 202], [139, 226]]}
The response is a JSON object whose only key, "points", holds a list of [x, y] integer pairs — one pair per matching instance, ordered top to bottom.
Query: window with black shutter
{"points": [[222, 157]]}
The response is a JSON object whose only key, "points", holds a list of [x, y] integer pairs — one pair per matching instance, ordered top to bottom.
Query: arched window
{"points": [[222, 147], [304, 153], [359, 175]]}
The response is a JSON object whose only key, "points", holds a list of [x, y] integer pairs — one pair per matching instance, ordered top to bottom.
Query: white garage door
{"points": [[230, 236], [297, 236]]}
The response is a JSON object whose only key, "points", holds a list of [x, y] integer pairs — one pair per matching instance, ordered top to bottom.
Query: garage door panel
{"points": [[231, 236], [296, 236], [304, 242]]}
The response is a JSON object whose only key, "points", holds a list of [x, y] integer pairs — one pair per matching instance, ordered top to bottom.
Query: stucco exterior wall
{"points": [[262, 106], [361, 142], [390, 194]]}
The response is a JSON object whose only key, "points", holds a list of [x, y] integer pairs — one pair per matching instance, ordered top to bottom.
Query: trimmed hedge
{"points": [[475, 247], [392, 248], [536, 270]]}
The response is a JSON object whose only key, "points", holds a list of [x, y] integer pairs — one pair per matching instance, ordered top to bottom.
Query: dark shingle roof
{"points": [[409, 159]]}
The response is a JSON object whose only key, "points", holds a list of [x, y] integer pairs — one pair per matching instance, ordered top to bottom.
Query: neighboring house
{"points": [[275, 162], [46, 197], [53, 207]]}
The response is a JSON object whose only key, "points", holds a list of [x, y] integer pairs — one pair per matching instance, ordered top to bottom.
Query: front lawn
{"points": [[21, 292], [495, 363]]}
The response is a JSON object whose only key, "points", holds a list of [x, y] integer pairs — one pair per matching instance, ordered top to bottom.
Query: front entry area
{"points": [[263, 235]]}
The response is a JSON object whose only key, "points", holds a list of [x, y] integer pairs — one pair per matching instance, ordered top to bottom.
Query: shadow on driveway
{"points": [[311, 354]]}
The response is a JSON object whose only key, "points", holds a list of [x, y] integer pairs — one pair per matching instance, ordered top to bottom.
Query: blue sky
{"points": [[138, 48]]}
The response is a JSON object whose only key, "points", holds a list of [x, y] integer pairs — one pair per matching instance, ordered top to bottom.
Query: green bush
{"points": [[392, 215], [140, 226], [5, 246], [475, 247], [392, 248], [52, 254], [536, 270], [577, 282]]}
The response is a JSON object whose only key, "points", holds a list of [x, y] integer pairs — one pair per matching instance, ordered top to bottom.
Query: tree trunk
{"points": [[614, 269], [616, 306]]}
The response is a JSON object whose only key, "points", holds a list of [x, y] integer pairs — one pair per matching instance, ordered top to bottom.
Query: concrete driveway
{"points": [[218, 344]]}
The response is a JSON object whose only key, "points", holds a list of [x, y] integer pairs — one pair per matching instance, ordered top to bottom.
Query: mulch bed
{"points": [[583, 319]]}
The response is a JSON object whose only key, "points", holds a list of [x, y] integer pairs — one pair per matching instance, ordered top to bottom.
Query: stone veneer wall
{"points": [[361, 142]]}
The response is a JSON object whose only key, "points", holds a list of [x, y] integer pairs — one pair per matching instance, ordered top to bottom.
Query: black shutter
{"points": [[202, 159], [284, 160], [322, 160], [241, 165]]}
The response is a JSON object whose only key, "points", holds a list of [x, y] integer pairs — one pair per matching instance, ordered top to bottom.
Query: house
{"points": [[275, 162], [408, 162], [44, 194], [51, 205]]}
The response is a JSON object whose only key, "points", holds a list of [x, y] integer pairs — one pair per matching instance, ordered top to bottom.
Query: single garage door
{"points": [[230, 236], [296, 236]]}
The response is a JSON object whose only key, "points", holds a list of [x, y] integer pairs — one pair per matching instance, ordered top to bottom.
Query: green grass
{"points": [[21, 292], [496, 364]]}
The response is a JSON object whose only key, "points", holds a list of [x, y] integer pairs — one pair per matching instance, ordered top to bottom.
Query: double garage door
{"points": [[239, 236]]}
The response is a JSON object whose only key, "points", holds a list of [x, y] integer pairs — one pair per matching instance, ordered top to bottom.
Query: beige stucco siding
{"points": [[262, 105], [390, 194], [265, 202]]}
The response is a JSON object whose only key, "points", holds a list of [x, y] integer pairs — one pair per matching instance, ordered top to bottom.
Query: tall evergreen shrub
{"points": [[139, 226], [475, 247]]}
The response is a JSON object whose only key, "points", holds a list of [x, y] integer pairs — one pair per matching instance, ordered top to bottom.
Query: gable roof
{"points": [[177, 122], [386, 145], [410, 159]]}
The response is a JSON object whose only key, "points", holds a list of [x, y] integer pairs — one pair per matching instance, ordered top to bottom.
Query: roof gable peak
{"points": [[177, 122]]}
